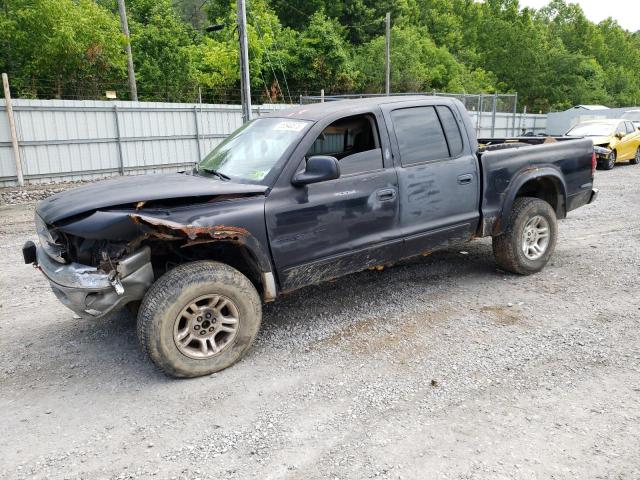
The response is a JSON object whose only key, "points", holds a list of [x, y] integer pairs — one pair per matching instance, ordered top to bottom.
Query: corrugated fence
{"points": [[62, 140]]}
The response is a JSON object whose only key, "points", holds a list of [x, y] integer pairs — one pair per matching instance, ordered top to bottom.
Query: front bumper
{"points": [[602, 153], [89, 292]]}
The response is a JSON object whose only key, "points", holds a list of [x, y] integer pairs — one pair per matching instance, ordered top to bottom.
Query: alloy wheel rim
{"points": [[612, 159], [535, 237], [206, 326]]}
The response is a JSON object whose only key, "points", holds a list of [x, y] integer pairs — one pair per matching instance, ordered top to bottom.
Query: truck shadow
{"points": [[391, 290], [107, 351]]}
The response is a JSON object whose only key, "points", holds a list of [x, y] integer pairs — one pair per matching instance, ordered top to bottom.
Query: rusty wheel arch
{"points": [[234, 246]]}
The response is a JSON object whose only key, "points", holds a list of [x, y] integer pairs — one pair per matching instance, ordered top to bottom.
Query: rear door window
{"points": [[451, 129], [419, 134]]}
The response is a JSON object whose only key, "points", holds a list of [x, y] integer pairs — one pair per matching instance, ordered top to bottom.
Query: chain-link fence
{"points": [[493, 114]]}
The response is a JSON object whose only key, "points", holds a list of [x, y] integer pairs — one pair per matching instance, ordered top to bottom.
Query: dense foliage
{"points": [[553, 57]]}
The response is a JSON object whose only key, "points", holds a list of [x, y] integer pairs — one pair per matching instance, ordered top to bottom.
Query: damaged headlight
{"points": [[601, 152], [49, 240]]}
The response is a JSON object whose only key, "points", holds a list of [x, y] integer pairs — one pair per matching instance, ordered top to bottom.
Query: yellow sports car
{"points": [[620, 139]]}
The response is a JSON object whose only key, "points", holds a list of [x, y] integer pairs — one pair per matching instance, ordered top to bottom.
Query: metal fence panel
{"points": [[561, 122], [62, 140]]}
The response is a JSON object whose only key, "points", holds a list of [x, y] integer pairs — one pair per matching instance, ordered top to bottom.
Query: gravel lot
{"points": [[439, 368]]}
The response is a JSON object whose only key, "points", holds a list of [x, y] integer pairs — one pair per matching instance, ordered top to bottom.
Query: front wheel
{"points": [[636, 159], [611, 161], [530, 238], [199, 318]]}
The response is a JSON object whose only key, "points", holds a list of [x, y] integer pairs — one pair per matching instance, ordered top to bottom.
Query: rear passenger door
{"points": [[438, 176]]}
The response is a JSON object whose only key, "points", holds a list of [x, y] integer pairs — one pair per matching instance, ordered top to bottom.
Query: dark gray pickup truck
{"points": [[292, 199]]}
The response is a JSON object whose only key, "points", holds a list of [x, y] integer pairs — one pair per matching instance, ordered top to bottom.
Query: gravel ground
{"points": [[33, 193], [439, 368]]}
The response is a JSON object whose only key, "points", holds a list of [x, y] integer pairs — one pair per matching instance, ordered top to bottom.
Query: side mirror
{"points": [[619, 135], [319, 169]]}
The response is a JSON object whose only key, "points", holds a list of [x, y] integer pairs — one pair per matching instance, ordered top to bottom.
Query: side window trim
{"points": [[446, 136]]}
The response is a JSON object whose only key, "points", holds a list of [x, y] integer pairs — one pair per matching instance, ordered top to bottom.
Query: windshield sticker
{"points": [[290, 126]]}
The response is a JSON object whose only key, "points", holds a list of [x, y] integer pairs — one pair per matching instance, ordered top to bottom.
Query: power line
{"points": [[266, 50], [280, 62]]}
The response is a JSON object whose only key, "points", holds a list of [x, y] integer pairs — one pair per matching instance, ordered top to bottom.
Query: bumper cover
{"points": [[91, 293]]}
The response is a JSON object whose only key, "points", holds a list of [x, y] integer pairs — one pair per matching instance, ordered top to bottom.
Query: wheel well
{"points": [[547, 189], [167, 255]]}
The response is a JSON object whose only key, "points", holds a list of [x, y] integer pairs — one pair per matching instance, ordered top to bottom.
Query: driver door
{"points": [[331, 228]]}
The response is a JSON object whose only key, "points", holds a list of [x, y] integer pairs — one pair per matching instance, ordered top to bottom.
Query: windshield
{"points": [[592, 130], [252, 151]]}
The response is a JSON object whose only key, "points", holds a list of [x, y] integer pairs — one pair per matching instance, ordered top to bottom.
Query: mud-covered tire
{"points": [[508, 248], [175, 291]]}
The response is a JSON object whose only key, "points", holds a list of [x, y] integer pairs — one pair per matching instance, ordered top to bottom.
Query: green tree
{"points": [[61, 48], [323, 58], [418, 65]]}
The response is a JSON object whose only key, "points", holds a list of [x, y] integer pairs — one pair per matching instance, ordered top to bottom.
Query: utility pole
{"points": [[387, 69], [245, 86], [133, 89], [12, 129]]}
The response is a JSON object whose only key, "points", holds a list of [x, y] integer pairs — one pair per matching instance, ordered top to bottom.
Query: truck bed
{"points": [[509, 163]]}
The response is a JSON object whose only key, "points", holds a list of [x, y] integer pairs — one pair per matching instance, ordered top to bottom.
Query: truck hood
{"points": [[134, 189]]}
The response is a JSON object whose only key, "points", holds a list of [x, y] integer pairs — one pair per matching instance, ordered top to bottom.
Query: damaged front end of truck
{"points": [[102, 257]]}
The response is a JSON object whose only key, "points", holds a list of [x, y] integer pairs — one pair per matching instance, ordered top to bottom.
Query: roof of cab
{"points": [[317, 111]]}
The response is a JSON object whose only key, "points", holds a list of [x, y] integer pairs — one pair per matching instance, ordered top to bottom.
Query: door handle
{"points": [[465, 179], [386, 195]]}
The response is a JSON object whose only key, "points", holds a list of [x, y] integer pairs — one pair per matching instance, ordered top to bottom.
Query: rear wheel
{"points": [[636, 160], [611, 161], [530, 238], [199, 318]]}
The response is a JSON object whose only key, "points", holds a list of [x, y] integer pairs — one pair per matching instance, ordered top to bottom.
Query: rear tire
{"points": [[635, 160], [530, 238], [199, 318]]}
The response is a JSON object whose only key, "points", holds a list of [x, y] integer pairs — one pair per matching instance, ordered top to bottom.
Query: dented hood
{"points": [[133, 189]]}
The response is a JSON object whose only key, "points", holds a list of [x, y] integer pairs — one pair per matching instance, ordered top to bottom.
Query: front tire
{"points": [[635, 160], [611, 161], [530, 239], [199, 318]]}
